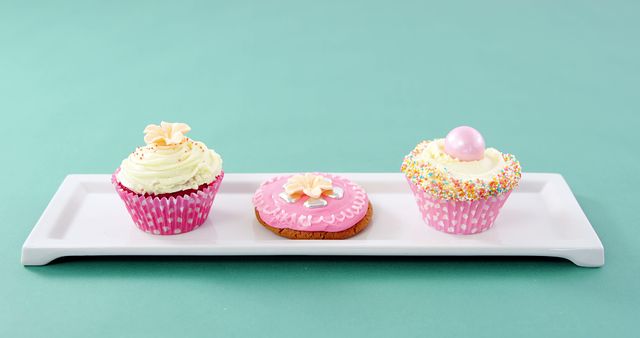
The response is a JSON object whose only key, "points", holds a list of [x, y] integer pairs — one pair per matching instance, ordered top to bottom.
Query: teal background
{"points": [[357, 82]]}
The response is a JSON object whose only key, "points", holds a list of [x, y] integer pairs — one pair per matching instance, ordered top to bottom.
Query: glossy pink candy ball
{"points": [[465, 144]]}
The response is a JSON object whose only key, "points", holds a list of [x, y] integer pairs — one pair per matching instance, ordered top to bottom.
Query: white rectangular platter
{"points": [[541, 218]]}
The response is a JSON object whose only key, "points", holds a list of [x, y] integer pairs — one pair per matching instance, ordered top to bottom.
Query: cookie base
{"points": [[298, 234]]}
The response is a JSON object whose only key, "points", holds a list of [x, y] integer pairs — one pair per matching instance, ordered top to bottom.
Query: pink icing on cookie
{"points": [[337, 215]]}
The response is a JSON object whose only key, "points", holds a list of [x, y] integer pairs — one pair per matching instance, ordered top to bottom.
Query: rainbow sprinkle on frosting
{"points": [[441, 184]]}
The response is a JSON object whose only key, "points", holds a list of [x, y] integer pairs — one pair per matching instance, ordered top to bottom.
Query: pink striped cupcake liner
{"points": [[169, 215], [458, 217]]}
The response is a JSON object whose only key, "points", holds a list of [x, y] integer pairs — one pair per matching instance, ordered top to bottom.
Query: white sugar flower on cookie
{"points": [[308, 184]]}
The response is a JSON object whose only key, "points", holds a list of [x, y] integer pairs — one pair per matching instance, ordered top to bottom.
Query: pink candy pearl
{"points": [[465, 144]]}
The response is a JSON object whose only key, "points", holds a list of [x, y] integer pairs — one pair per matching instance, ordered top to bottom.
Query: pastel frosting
{"points": [[169, 163], [432, 169], [337, 215]]}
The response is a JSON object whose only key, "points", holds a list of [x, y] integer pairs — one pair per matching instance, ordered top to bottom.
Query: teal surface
{"points": [[329, 86]]}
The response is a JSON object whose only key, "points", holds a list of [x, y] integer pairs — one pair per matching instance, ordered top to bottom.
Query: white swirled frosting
{"points": [[170, 164], [485, 169]]}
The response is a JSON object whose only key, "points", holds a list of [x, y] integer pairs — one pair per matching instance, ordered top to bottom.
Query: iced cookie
{"points": [[312, 206]]}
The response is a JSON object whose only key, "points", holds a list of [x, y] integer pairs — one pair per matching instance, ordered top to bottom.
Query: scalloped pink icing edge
{"points": [[278, 218]]}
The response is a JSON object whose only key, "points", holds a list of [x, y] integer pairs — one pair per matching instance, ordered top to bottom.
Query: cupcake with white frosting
{"points": [[169, 185], [459, 185]]}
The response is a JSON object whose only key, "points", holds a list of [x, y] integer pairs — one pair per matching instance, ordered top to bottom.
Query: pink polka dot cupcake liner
{"points": [[169, 215], [459, 217]]}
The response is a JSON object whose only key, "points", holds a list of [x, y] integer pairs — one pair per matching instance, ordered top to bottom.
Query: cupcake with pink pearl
{"points": [[459, 184]]}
